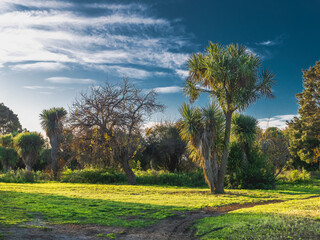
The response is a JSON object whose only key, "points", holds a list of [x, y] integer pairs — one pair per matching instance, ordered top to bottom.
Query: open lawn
{"points": [[142, 206]]}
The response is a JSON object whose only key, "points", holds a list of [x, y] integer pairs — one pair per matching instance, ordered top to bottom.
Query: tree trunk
{"points": [[54, 154], [225, 155], [27, 161], [128, 171], [208, 174]]}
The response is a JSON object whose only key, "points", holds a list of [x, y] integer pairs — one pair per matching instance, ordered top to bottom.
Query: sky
{"points": [[52, 50]]}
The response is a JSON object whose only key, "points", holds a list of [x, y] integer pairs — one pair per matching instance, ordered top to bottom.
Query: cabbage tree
{"points": [[234, 76], [52, 124], [28, 146]]}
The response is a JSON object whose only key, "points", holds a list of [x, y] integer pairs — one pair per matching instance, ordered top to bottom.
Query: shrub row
{"points": [[24, 176], [150, 177]]}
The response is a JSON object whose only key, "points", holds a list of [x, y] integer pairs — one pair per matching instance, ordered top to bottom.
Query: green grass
{"points": [[138, 206], [294, 219]]}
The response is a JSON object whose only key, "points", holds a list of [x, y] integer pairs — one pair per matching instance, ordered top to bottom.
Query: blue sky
{"points": [[51, 50]]}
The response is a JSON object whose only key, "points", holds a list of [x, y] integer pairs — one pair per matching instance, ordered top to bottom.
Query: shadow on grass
{"points": [[17, 208]]}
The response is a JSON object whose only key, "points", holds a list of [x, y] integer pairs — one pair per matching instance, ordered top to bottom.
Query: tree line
{"points": [[104, 127]]}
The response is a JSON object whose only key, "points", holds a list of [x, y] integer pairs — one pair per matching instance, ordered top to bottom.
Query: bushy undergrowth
{"points": [[252, 172], [24, 176], [92, 176], [295, 176], [150, 177]]}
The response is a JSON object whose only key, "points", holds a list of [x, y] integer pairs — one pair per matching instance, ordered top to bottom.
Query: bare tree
{"points": [[118, 112]]}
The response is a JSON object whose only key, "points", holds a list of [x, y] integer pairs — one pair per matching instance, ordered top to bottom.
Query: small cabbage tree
{"points": [[52, 123], [203, 129], [28, 145]]}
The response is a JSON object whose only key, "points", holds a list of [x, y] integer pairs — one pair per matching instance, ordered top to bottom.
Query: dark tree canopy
{"points": [[9, 122], [304, 131], [165, 147]]}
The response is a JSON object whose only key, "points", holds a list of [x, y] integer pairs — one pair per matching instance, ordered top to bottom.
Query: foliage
{"points": [[233, 76], [116, 112], [51, 120], [9, 122], [52, 123], [203, 129], [304, 131], [6, 140], [28, 145], [275, 145], [165, 148], [8, 158], [44, 160], [247, 166], [253, 172], [24, 176], [92, 176], [295, 176], [150, 177]]}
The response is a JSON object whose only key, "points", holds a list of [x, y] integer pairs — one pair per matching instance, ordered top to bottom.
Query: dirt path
{"points": [[176, 227]]}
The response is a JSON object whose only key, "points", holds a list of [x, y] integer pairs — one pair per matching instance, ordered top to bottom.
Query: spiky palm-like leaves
{"points": [[232, 75], [51, 120], [51, 123], [203, 129], [28, 145]]}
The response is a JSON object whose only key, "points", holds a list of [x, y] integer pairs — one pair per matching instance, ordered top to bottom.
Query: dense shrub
{"points": [[251, 172], [24, 176], [92, 176], [295, 176], [150, 177]]}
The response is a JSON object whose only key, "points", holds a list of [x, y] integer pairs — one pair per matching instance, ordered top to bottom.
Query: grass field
{"points": [[139, 206]]}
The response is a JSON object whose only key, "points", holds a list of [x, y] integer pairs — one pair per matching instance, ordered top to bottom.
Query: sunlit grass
{"points": [[123, 205], [295, 219]]}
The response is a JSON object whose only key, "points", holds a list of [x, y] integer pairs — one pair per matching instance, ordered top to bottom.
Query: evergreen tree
{"points": [[9, 122], [304, 131]]}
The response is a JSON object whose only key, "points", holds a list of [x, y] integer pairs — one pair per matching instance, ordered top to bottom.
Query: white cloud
{"points": [[58, 33], [267, 43], [40, 66], [182, 73], [67, 80], [38, 87], [170, 89], [278, 121]]}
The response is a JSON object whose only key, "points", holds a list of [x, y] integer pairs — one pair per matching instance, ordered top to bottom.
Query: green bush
{"points": [[254, 172], [24, 176], [92, 176], [295, 176], [150, 177]]}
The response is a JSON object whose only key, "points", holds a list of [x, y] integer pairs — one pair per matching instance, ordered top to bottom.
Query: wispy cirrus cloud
{"points": [[64, 33], [267, 43], [40, 66], [67, 80], [39, 87], [278, 121]]}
